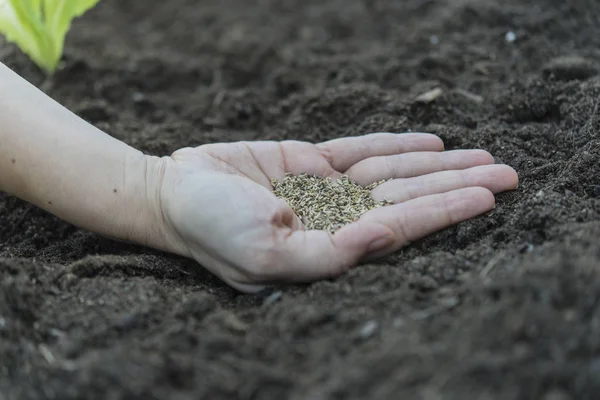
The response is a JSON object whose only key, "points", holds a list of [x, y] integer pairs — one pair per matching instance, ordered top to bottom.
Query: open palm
{"points": [[218, 202]]}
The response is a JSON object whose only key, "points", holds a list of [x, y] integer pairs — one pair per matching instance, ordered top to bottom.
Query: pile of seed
{"points": [[324, 204]]}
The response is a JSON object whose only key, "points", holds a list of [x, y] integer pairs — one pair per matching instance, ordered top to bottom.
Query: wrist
{"points": [[61, 163], [143, 213]]}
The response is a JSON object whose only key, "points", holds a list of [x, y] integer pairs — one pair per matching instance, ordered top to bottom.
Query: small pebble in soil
{"points": [[510, 37], [138, 97], [324, 204], [526, 248], [53, 290], [128, 322], [398, 322], [369, 329]]}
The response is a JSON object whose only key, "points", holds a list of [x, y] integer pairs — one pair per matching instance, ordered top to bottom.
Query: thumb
{"points": [[313, 255]]}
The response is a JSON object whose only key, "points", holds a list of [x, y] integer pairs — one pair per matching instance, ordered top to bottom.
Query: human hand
{"points": [[218, 206]]}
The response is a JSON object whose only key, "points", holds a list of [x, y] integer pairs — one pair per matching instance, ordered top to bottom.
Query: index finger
{"points": [[343, 153]]}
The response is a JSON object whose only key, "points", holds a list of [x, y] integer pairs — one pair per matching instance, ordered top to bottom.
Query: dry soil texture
{"points": [[505, 306]]}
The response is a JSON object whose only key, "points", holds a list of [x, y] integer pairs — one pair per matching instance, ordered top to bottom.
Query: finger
{"points": [[345, 152], [416, 164], [495, 178], [423, 216], [311, 255]]}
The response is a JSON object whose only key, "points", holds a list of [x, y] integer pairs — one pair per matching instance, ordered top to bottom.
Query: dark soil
{"points": [[505, 306]]}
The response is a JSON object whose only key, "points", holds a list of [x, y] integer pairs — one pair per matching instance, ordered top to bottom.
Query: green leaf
{"points": [[59, 14], [39, 27]]}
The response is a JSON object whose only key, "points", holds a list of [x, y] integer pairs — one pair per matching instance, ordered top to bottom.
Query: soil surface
{"points": [[505, 306]]}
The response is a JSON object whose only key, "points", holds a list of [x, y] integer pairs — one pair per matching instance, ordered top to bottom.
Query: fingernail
{"points": [[380, 243]]}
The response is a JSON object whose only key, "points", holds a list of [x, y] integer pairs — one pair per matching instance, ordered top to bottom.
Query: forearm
{"points": [[55, 160]]}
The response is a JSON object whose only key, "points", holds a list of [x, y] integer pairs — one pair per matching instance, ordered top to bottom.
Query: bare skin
{"points": [[215, 204]]}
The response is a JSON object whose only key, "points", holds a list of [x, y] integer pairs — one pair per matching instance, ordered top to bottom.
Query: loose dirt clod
{"points": [[325, 204]]}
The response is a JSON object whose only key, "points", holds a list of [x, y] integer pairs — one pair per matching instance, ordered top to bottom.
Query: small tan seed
{"points": [[323, 204]]}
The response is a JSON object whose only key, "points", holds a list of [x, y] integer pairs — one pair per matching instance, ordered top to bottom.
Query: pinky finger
{"points": [[415, 219]]}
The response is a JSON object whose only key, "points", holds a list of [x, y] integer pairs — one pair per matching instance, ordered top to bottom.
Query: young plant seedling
{"points": [[39, 27], [323, 204]]}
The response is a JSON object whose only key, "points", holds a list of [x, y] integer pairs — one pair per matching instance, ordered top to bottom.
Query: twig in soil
{"points": [[482, 68], [217, 79], [429, 96], [218, 98], [475, 98], [589, 125], [17, 224], [491, 264], [182, 270], [272, 298], [446, 305], [47, 354], [52, 360]]}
